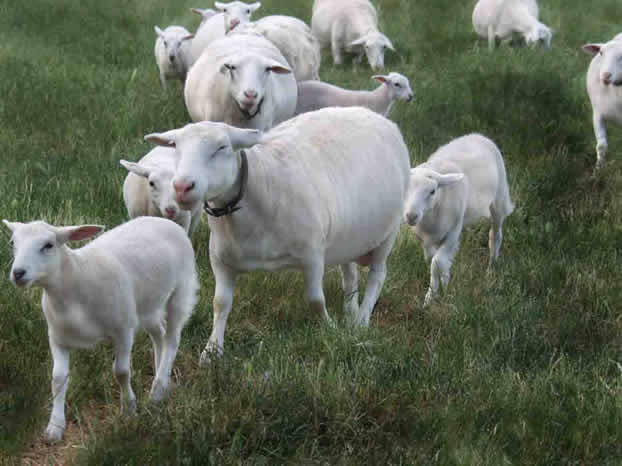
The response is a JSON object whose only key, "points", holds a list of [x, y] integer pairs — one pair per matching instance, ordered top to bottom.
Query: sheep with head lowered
{"points": [[500, 19], [350, 25], [171, 52], [242, 80], [604, 87], [313, 95], [462, 182], [324, 188], [148, 189], [139, 275]]}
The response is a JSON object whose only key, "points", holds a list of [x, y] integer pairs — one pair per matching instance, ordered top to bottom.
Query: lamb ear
{"points": [[220, 6], [254, 6], [207, 13], [159, 31], [188, 37], [359, 41], [388, 43], [592, 49], [279, 69], [380, 78], [240, 137], [166, 139], [136, 168], [450, 178], [12, 225], [77, 233]]}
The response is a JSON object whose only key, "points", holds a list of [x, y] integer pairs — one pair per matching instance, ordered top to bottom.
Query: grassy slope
{"points": [[522, 368]]}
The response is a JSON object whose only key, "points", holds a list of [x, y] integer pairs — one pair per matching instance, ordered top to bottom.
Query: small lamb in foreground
{"points": [[500, 19], [350, 25], [171, 53], [604, 86], [313, 95], [459, 184], [148, 189], [139, 275]]}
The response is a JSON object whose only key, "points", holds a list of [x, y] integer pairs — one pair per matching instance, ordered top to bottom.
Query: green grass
{"points": [[524, 367]]}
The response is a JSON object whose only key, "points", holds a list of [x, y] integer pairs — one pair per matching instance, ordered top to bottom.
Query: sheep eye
{"points": [[225, 10], [248, 12], [165, 44], [230, 67], [398, 85], [221, 148], [152, 184], [432, 192], [47, 247]]}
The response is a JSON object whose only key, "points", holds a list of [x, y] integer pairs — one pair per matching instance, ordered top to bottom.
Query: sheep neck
{"points": [[380, 100], [228, 202], [61, 286]]}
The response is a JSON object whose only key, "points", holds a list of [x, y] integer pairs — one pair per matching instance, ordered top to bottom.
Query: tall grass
{"points": [[521, 367]]}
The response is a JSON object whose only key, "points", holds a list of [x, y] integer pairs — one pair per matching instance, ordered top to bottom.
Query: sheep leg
{"points": [[491, 38], [336, 46], [358, 58], [163, 82], [600, 131], [495, 236], [441, 264], [314, 275], [349, 280], [223, 300], [174, 325], [156, 333], [122, 371], [60, 381]]}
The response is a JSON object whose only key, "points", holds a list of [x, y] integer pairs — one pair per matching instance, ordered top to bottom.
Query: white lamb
{"points": [[501, 19], [350, 25], [215, 26], [294, 40], [171, 53], [242, 80], [604, 86], [313, 95], [460, 183], [324, 188], [148, 189], [138, 275]]}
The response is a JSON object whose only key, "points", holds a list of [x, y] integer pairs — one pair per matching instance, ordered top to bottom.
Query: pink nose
{"points": [[233, 23], [607, 77], [250, 94], [182, 188], [170, 212]]}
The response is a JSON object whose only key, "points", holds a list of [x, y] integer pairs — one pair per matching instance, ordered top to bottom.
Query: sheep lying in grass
{"points": [[500, 19], [350, 25], [215, 26], [294, 40], [171, 53], [242, 80], [604, 86], [313, 95], [459, 184], [324, 188], [148, 189], [138, 275]]}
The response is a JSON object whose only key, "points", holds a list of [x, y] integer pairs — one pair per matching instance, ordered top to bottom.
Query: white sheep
{"points": [[501, 19], [350, 25], [215, 26], [294, 40], [171, 52], [242, 80], [604, 87], [313, 95], [462, 182], [324, 188], [148, 189], [138, 275]]}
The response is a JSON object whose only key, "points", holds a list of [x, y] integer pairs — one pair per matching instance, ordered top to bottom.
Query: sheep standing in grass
{"points": [[500, 19], [350, 25], [215, 26], [294, 40], [171, 53], [242, 80], [604, 87], [313, 95], [459, 184], [324, 188], [148, 189], [138, 275]]}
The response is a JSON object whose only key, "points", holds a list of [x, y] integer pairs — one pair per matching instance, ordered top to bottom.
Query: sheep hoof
{"points": [[211, 352], [158, 392], [129, 407], [54, 433]]}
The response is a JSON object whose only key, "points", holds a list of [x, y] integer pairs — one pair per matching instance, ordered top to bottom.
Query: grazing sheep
{"points": [[494, 19], [350, 25], [215, 26], [294, 40], [171, 52], [242, 80], [604, 86], [313, 95], [459, 184], [324, 188], [148, 189], [138, 275]]}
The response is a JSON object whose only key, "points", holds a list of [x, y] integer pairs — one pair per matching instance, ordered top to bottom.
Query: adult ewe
{"points": [[500, 19], [350, 25], [172, 53], [242, 80], [604, 86], [313, 95], [460, 183], [324, 188], [138, 275]]}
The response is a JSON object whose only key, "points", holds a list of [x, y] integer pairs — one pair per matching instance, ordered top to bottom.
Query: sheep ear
{"points": [[220, 6], [255, 6], [207, 13], [159, 31], [188, 37], [359, 41], [388, 43], [592, 49], [226, 68], [277, 68], [380, 78], [243, 137], [163, 139], [135, 168], [450, 178], [12, 225], [77, 233]]}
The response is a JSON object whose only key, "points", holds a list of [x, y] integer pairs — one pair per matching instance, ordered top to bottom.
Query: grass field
{"points": [[524, 367]]}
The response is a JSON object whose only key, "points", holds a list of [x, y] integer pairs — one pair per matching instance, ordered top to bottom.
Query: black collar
{"points": [[247, 114], [231, 206]]}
